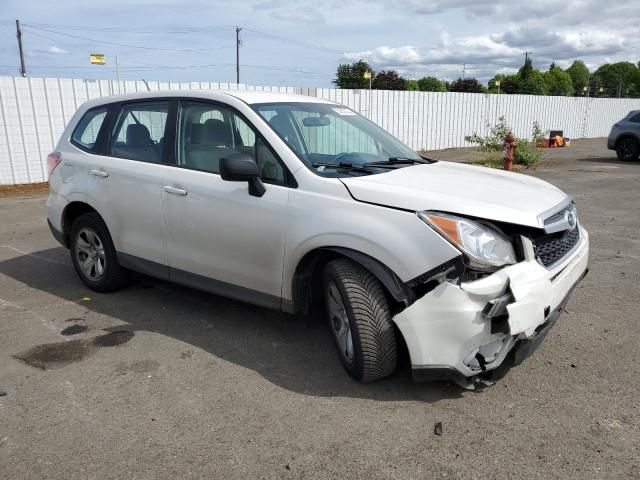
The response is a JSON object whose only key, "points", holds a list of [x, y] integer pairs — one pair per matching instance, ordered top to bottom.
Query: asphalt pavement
{"points": [[161, 381]]}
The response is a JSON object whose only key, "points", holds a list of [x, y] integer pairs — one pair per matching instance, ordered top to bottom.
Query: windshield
{"points": [[335, 141]]}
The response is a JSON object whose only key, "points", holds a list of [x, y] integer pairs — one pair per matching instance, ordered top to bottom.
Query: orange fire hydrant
{"points": [[509, 146]]}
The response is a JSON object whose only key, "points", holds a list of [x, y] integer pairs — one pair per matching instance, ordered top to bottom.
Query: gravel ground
{"points": [[160, 381]]}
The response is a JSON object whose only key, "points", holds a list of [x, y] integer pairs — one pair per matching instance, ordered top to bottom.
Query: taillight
{"points": [[53, 160]]}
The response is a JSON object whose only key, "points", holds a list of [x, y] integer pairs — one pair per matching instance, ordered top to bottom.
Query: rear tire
{"points": [[628, 149], [94, 256], [360, 320]]}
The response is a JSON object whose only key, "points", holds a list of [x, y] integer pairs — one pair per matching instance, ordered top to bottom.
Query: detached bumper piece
{"points": [[495, 310], [524, 348]]}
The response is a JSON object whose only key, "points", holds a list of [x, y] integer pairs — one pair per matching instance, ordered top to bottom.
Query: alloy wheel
{"points": [[90, 254]]}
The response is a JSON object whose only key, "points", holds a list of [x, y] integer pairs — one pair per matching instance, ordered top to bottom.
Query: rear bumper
{"points": [[450, 336]]}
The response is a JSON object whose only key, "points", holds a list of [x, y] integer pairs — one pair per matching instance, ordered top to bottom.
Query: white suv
{"points": [[289, 201]]}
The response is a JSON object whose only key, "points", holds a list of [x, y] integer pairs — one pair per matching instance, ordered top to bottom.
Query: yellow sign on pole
{"points": [[96, 58], [367, 75]]}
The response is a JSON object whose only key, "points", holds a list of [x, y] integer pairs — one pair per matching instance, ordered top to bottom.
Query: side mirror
{"points": [[240, 167]]}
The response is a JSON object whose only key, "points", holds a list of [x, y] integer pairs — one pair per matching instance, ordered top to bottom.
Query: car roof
{"points": [[248, 96]]}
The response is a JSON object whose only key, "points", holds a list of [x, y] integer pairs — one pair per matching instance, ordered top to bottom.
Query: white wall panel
{"points": [[34, 112]]}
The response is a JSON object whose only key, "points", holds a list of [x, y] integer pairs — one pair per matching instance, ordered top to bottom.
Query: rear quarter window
{"points": [[85, 135]]}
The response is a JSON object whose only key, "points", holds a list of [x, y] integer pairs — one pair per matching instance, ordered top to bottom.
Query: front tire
{"points": [[628, 149], [94, 256], [360, 320]]}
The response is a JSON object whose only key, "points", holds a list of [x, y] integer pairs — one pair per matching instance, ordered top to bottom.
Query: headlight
{"points": [[485, 246]]}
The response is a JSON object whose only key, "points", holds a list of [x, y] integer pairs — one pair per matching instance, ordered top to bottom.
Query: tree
{"points": [[526, 70], [579, 74], [352, 75], [618, 79], [388, 80], [558, 82], [431, 84], [509, 84], [533, 84], [411, 85], [468, 85], [492, 87]]}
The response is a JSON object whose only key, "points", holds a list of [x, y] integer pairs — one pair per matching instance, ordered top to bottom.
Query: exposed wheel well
{"points": [[625, 137], [69, 215], [307, 279]]}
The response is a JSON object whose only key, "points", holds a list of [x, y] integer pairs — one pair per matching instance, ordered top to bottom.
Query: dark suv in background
{"points": [[625, 137]]}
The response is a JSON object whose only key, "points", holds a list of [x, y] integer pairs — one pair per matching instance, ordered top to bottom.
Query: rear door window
{"points": [[139, 131], [85, 135]]}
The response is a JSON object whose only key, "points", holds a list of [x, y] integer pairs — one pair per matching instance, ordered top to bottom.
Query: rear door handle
{"points": [[99, 173], [174, 190]]}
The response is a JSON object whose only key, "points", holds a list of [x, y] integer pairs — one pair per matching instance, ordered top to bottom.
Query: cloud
{"points": [[415, 37], [56, 50], [485, 54]]}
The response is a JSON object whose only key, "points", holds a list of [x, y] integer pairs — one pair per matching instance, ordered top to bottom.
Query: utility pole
{"points": [[238, 55], [23, 69], [464, 70], [118, 73]]}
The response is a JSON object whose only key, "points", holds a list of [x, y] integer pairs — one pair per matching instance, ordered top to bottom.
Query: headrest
{"points": [[281, 124], [215, 132], [138, 135]]}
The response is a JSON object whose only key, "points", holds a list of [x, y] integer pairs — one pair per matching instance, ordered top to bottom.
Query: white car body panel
{"points": [[464, 189], [130, 202], [218, 231]]}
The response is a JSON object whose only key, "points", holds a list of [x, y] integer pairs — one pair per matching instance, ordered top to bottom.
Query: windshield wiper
{"points": [[392, 161], [343, 165]]}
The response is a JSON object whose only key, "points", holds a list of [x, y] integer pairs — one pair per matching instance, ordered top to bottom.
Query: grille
{"points": [[552, 248]]}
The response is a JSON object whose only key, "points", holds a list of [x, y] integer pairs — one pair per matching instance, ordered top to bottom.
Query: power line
{"points": [[103, 28], [182, 30], [294, 42], [131, 46], [170, 67], [284, 69]]}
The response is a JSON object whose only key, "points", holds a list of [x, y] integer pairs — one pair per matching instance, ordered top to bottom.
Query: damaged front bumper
{"points": [[459, 332]]}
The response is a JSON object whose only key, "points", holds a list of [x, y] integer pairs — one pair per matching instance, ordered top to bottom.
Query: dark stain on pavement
{"points": [[74, 329], [113, 339], [59, 354], [52, 355]]}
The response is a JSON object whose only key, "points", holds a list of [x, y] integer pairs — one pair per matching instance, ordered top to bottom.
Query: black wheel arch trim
{"points": [[384, 274], [303, 278]]}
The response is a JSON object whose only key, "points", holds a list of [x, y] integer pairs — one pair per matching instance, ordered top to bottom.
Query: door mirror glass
{"points": [[241, 167]]}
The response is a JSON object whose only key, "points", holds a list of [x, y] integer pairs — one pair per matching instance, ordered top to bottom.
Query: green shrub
{"points": [[525, 152]]}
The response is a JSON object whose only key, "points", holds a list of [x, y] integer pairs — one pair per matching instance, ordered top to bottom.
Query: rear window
{"points": [[86, 133]]}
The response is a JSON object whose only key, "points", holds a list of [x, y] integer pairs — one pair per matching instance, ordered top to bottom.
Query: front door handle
{"points": [[99, 173], [174, 190]]}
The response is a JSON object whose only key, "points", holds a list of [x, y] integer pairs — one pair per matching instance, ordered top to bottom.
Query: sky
{"points": [[301, 42]]}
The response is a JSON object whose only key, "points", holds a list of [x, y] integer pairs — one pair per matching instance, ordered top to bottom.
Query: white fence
{"points": [[34, 111]]}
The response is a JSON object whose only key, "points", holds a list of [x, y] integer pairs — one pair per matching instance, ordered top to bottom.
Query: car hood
{"points": [[458, 188]]}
